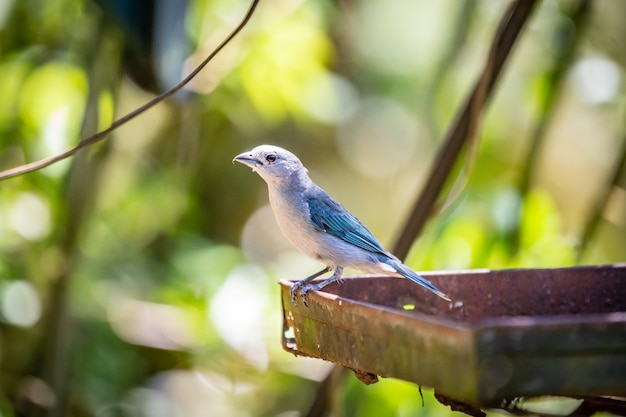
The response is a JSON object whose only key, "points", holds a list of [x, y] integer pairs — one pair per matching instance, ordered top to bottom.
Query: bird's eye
{"points": [[270, 158]]}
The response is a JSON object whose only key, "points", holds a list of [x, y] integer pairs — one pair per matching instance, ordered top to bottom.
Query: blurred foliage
{"points": [[139, 278]]}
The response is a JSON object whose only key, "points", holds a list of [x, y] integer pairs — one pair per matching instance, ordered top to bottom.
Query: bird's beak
{"points": [[247, 159]]}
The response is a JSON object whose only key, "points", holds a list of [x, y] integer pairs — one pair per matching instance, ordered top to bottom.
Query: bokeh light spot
{"points": [[597, 80], [379, 138], [30, 216], [20, 304]]}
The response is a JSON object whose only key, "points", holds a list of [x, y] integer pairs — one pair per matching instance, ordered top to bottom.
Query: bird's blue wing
{"points": [[331, 217]]}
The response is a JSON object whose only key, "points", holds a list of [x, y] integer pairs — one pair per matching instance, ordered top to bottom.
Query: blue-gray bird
{"points": [[318, 225]]}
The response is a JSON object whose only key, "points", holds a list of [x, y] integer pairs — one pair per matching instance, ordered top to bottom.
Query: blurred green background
{"points": [[139, 278]]}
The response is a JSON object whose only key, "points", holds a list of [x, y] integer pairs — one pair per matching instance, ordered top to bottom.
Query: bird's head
{"points": [[275, 165]]}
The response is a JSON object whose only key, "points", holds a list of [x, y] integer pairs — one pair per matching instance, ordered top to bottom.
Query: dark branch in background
{"points": [[461, 28], [567, 35], [467, 121], [465, 125], [97, 137], [601, 201], [59, 325], [57, 347], [323, 399]]}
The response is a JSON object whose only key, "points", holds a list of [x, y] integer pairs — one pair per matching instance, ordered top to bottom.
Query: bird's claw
{"points": [[304, 289], [293, 291]]}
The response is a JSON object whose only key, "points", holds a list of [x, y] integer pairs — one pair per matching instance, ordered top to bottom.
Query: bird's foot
{"points": [[303, 284], [294, 289], [304, 289]]}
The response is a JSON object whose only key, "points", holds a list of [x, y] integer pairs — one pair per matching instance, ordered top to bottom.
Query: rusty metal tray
{"points": [[507, 333]]}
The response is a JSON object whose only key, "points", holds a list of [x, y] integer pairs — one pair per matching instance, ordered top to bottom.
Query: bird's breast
{"points": [[294, 220]]}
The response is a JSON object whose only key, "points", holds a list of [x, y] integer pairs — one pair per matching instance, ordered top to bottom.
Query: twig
{"points": [[461, 26], [510, 27], [568, 35], [467, 121], [97, 137], [600, 203], [59, 329]]}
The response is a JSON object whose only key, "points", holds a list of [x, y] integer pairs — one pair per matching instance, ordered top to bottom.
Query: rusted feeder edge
{"points": [[307, 331], [476, 359]]}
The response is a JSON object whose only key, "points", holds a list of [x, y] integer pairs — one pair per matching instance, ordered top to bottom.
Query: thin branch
{"points": [[461, 26], [509, 29], [568, 34], [465, 125], [97, 137], [472, 137], [601, 201]]}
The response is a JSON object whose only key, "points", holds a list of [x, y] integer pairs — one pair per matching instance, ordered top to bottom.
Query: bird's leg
{"points": [[336, 276], [296, 286]]}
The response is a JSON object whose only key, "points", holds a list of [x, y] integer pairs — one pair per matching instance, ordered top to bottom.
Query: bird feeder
{"points": [[506, 334]]}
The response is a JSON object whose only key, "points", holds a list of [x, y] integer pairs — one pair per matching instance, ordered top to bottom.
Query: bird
{"points": [[319, 226]]}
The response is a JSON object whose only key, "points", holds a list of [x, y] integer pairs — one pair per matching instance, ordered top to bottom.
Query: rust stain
{"points": [[564, 329]]}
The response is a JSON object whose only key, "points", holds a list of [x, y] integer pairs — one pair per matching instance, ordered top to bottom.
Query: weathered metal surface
{"points": [[507, 333]]}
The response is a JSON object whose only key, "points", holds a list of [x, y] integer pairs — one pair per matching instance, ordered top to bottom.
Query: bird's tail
{"points": [[407, 272]]}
